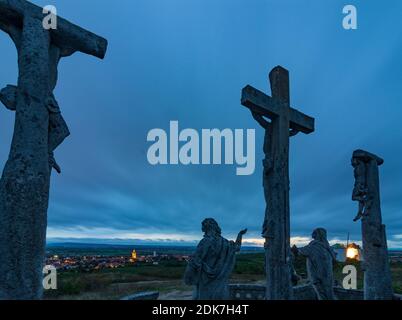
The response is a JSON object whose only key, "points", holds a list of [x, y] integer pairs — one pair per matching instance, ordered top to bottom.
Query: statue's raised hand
{"points": [[240, 238]]}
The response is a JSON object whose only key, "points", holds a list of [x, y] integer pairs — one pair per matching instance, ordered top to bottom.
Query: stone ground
{"points": [[168, 290], [188, 294], [176, 295]]}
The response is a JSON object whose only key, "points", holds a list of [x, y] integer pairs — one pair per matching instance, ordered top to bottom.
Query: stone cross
{"points": [[285, 122], [38, 130], [377, 274]]}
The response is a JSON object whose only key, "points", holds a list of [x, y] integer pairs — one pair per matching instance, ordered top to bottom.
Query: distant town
{"points": [[89, 258], [88, 263]]}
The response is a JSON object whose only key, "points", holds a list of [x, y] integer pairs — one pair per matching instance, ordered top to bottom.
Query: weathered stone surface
{"points": [[68, 37], [8, 96], [265, 105], [285, 122], [39, 128], [320, 259], [210, 267], [377, 274], [247, 292], [300, 292], [151, 295]]}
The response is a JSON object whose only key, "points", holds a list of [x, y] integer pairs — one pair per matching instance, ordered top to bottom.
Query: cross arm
{"points": [[13, 31], [68, 37], [265, 105], [367, 156]]}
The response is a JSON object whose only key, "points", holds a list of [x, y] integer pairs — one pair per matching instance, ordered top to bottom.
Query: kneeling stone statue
{"points": [[213, 262]]}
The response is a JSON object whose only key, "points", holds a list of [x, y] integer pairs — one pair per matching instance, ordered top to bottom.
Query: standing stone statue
{"points": [[280, 122], [39, 129], [320, 259], [212, 264], [377, 274]]}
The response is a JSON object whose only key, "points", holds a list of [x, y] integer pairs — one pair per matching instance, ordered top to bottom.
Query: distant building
{"points": [[353, 252], [133, 256]]}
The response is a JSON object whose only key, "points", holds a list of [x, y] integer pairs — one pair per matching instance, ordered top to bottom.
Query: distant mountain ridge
{"points": [[106, 245]]}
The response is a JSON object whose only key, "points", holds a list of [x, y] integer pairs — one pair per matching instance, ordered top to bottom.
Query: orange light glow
{"points": [[352, 253]]}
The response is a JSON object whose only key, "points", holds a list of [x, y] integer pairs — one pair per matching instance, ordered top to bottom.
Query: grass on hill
{"points": [[167, 276]]}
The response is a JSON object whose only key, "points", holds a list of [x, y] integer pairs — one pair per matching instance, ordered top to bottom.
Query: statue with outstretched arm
{"points": [[210, 267]]}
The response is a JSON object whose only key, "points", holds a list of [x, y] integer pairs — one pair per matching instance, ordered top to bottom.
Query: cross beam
{"points": [[68, 37], [265, 105], [367, 156]]}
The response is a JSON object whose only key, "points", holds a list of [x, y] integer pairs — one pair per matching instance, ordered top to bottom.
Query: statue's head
{"points": [[211, 227], [320, 234]]}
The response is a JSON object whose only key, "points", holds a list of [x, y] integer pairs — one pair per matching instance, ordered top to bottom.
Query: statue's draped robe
{"points": [[320, 259], [210, 268]]}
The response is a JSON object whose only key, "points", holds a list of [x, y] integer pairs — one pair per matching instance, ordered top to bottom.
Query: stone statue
{"points": [[38, 130], [360, 192], [320, 258], [213, 262], [377, 274]]}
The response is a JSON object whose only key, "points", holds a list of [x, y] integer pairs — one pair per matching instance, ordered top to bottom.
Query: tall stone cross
{"points": [[284, 122], [38, 130], [377, 273]]}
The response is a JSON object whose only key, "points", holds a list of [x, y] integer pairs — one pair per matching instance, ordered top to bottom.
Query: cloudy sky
{"points": [[187, 60]]}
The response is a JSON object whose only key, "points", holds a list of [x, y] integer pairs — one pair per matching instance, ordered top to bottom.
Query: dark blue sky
{"points": [[188, 60]]}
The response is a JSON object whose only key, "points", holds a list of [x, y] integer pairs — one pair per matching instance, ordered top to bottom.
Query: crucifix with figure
{"points": [[282, 123], [38, 130]]}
